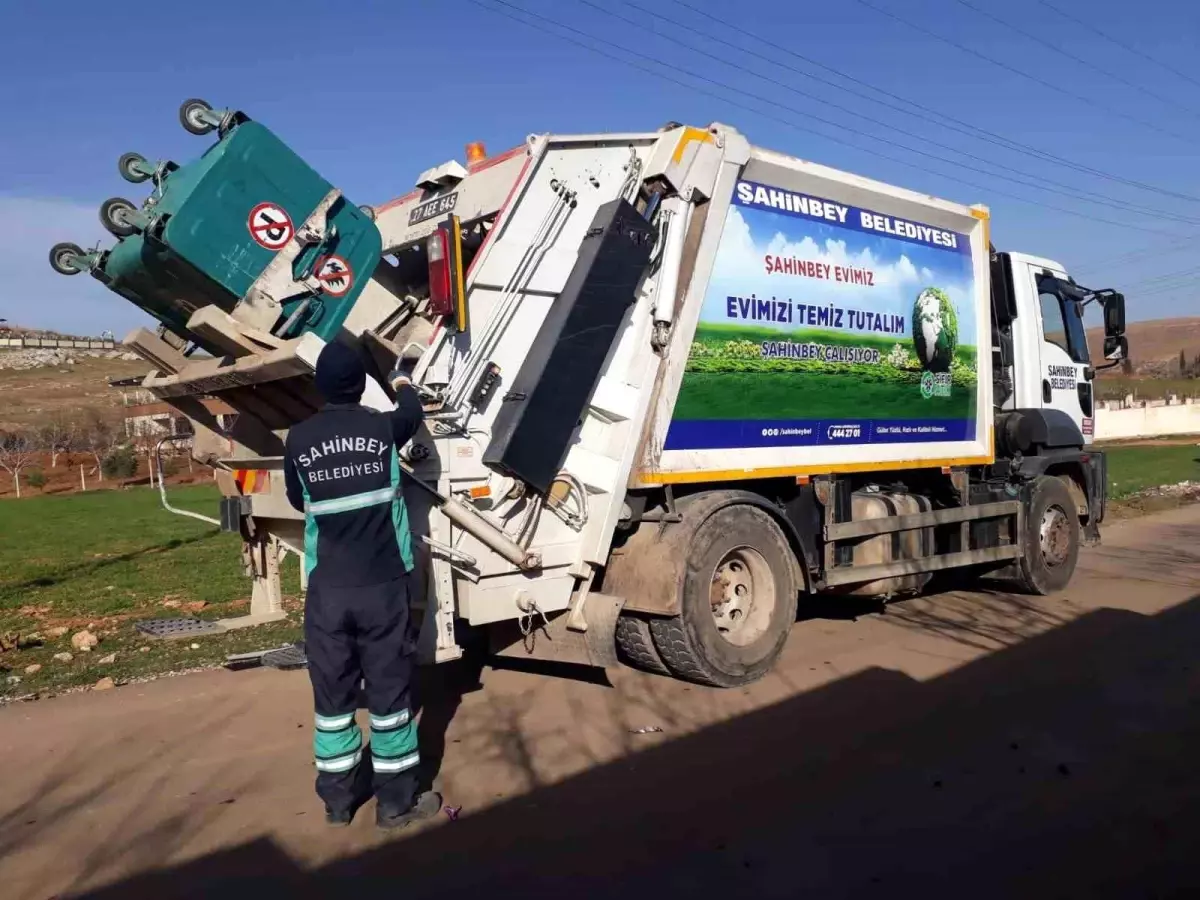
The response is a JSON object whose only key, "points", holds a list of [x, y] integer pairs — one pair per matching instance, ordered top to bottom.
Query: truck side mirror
{"points": [[1114, 317], [1116, 347]]}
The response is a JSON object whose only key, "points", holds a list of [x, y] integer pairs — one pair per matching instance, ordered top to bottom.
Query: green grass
{"points": [[707, 332], [728, 378], [1117, 388], [783, 395], [1134, 469], [109, 559]]}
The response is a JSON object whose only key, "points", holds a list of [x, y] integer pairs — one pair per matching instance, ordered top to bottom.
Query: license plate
{"points": [[438, 206]]}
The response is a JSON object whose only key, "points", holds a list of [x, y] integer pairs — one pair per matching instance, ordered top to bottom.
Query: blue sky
{"points": [[371, 93]]}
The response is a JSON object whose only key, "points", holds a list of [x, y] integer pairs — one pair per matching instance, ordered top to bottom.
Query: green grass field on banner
{"points": [[727, 377]]}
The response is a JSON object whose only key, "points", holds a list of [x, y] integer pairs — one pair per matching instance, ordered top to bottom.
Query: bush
{"points": [[121, 463], [35, 478]]}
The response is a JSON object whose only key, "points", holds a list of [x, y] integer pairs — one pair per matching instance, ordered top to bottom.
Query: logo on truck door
{"points": [[438, 206], [1062, 378]]}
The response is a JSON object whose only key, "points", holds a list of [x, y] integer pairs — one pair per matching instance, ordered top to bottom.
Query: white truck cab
{"points": [[1053, 366]]}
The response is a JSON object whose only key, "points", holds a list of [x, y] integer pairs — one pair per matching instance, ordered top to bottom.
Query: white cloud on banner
{"points": [[740, 270]]}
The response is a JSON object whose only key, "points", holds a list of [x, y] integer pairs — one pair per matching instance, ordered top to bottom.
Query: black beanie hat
{"points": [[341, 376]]}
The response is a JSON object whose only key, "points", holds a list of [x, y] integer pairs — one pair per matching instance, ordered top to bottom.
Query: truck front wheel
{"points": [[1051, 539], [738, 601]]}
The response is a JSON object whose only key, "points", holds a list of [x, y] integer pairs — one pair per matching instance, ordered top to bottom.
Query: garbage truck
{"points": [[676, 385]]}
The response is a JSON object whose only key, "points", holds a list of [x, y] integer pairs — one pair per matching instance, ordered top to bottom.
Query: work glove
{"points": [[397, 379]]}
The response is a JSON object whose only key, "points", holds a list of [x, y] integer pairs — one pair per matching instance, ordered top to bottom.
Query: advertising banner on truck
{"points": [[826, 324]]}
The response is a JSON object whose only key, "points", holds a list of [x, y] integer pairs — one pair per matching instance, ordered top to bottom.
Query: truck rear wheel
{"points": [[1051, 539], [738, 601], [635, 645]]}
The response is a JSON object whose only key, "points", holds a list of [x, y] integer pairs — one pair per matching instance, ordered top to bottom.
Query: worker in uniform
{"points": [[342, 470]]}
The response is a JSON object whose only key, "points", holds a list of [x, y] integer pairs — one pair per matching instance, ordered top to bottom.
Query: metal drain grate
{"points": [[166, 629], [292, 657]]}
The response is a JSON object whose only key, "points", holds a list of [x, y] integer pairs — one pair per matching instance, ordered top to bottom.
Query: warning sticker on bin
{"points": [[270, 226], [335, 275]]}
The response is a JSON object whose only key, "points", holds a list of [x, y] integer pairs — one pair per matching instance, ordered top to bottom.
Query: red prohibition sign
{"points": [[270, 226], [335, 275]]}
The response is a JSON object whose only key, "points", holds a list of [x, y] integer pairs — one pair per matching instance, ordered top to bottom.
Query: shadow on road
{"points": [[439, 694], [1060, 766]]}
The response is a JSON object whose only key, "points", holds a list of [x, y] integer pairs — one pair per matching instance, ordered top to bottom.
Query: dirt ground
{"points": [[32, 396], [999, 745]]}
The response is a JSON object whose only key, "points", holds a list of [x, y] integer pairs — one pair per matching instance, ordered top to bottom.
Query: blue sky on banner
{"points": [[899, 270]]}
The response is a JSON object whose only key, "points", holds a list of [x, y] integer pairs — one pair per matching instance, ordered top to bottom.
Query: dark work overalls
{"points": [[342, 470]]}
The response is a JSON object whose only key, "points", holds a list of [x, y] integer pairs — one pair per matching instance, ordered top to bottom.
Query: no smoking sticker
{"points": [[270, 226], [335, 275]]}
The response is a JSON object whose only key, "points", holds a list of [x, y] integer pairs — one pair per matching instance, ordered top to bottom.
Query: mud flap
{"points": [[1096, 475], [550, 639]]}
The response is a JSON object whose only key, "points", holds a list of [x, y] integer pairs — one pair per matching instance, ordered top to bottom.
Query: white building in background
{"points": [[147, 417]]}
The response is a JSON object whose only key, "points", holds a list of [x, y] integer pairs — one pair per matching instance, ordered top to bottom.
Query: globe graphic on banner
{"points": [[935, 330]]}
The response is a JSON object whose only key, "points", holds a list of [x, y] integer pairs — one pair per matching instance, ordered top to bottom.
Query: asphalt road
{"points": [[980, 744]]}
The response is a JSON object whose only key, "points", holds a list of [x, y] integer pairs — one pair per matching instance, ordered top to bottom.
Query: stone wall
{"points": [[1127, 419]]}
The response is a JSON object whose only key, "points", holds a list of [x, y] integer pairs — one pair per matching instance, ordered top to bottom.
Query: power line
{"points": [[1123, 46], [1079, 59], [1013, 69], [767, 115], [932, 115], [1039, 182], [1144, 253], [1183, 277], [1189, 286]]}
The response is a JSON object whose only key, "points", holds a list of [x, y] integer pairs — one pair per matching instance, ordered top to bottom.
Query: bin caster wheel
{"points": [[191, 117], [133, 168], [368, 211], [116, 216], [65, 259]]}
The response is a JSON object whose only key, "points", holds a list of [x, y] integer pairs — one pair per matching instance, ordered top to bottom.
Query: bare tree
{"points": [[101, 435], [58, 436], [17, 450]]}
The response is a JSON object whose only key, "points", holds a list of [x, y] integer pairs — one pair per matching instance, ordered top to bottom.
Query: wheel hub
{"points": [[1054, 534], [742, 596]]}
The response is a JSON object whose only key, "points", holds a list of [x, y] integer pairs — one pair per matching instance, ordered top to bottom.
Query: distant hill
{"points": [[9, 329], [1154, 345], [33, 396]]}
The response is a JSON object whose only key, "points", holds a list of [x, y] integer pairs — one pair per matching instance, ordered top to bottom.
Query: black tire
{"points": [[188, 119], [125, 165], [113, 213], [64, 258], [1051, 538], [691, 644], [635, 645]]}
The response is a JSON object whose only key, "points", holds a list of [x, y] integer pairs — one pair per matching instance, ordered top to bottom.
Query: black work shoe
{"points": [[427, 806], [338, 818]]}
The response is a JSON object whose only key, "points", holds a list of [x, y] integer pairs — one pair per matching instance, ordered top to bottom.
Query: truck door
{"points": [[1065, 366]]}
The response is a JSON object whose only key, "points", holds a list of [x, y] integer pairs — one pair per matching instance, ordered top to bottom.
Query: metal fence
{"points": [[49, 343]]}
